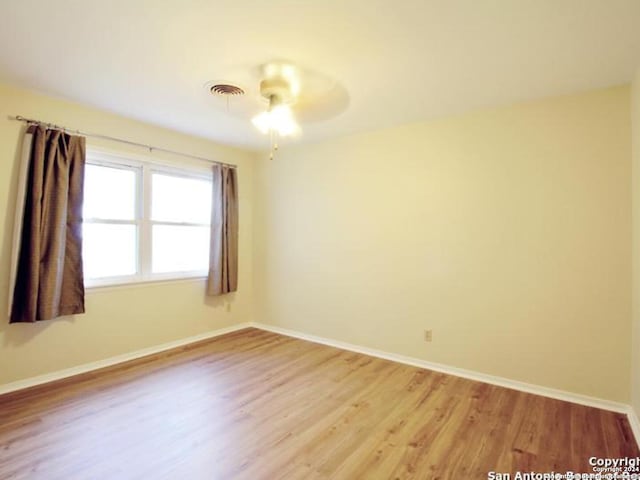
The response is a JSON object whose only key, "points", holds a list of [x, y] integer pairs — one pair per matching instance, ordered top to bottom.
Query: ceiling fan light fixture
{"points": [[278, 119]]}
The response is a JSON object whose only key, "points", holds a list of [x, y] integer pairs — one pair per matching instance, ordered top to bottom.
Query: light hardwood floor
{"points": [[256, 405]]}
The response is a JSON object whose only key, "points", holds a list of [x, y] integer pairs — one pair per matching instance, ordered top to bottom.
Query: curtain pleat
{"points": [[23, 172], [223, 259], [49, 281]]}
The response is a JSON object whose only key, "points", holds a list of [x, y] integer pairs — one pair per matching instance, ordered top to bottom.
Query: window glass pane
{"points": [[109, 193], [180, 199], [180, 248], [109, 250]]}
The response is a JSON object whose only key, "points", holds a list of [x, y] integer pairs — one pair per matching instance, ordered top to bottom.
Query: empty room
{"points": [[355, 239]]}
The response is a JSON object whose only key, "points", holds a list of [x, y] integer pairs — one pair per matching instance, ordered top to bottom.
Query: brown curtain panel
{"points": [[223, 257], [49, 281]]}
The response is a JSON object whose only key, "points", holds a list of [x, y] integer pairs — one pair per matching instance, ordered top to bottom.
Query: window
{"points": [[180, 219], [143, 221]]}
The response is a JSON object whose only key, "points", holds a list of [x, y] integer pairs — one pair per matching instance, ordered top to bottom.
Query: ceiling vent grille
{"points": [[225, 90]]}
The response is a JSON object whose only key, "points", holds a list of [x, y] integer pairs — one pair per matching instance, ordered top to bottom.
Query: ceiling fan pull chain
{"points": [[273, 136], [270, 144]]}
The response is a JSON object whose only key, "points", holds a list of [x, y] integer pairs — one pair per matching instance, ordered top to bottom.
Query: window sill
{"points": [[120, 285]]}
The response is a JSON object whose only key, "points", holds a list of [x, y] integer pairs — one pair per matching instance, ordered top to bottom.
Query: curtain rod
{"points": [[151, 148]]}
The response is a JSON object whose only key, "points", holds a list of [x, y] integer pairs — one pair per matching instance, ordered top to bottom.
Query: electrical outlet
{"points": [[428, 335]]}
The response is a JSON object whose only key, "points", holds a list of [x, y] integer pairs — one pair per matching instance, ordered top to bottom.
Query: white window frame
{"points": [[144, 168]]}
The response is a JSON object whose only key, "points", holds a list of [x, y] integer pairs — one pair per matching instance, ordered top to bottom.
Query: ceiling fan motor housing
{"points": [[276, 90]]}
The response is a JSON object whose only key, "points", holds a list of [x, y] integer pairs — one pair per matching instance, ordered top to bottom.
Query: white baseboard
{"points": [[107, 362], [416, 362], [458, 372], [471, 375], [632, 416]]}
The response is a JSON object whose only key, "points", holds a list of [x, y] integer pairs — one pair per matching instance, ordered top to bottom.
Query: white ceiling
{"points": [[399, 60]]}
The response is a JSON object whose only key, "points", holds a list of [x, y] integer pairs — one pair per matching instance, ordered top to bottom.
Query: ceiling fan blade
{"points": [[314, 96]]}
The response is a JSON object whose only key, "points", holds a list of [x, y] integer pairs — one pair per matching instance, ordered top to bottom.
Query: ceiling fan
{"points": [[280, 87], [278, 96]]}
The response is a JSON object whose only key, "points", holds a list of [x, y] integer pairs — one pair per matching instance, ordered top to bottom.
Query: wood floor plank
{"points": [[257, 405]]}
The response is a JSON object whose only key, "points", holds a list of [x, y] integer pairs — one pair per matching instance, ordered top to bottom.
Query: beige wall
{"points": [[635, 185], [507, 232], [118, 320]]}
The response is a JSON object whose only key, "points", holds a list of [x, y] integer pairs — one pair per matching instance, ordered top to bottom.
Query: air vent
{"points": [[225, 90]]}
